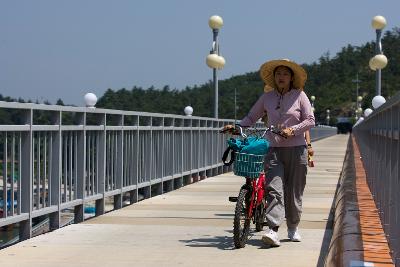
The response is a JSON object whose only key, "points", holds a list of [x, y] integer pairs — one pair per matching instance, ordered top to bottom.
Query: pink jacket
{"points": [[293, 109]]}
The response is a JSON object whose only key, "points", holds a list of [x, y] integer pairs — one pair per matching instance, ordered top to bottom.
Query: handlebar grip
{"points": [[278, 133]]}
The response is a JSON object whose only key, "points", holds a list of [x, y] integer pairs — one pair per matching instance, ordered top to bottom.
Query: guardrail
{"points": [[321, 132], [378, 139], [55, 158], [345, 244]]}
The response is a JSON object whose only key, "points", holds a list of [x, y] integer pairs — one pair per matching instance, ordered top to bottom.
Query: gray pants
{"points": [[286, 170]]}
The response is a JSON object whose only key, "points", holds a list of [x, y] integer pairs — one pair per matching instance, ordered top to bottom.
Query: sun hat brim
{"points": [[267, 73]]}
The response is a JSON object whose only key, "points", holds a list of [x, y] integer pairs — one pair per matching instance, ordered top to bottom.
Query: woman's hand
{"points": [[229, 129], [287, 132], [310, 151]]}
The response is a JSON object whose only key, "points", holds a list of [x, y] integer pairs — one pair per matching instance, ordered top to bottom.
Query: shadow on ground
{"points": [[226, 242]]}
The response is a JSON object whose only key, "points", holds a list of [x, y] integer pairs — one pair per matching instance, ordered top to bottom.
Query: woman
{"points": [[289, 110], [307, 136]]}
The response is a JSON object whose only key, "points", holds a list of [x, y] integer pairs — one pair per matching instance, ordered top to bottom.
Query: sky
{"points": [[51, 49]]}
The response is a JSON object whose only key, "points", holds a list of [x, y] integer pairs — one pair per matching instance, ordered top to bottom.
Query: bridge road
{"points": [[191, 226]]}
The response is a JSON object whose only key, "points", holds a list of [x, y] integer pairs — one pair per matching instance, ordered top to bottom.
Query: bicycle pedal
{"points": [[233, 199]]}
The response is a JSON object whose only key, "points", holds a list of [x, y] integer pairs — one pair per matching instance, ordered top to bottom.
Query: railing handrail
{"points": [[45, 107]]}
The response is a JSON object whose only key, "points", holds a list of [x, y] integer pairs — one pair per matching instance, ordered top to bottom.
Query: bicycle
{"points": [[251, 204]]}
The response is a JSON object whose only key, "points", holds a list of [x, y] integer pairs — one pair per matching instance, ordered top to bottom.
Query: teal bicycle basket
{"points": [[248, 165]]}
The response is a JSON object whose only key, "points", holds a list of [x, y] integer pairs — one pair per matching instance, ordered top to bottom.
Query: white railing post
{"points": [[26, 177], [55, 177]]}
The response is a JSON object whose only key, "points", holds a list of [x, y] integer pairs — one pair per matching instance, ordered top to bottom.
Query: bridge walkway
{"points": [[191, 226]]}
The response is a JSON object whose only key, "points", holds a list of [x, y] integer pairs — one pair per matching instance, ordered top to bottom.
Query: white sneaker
{"points": [[294, 235], [271, 238]]}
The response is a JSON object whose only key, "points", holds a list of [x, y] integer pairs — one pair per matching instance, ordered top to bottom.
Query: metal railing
{"points": [[321, 132], [378, 140], [54, 158]]}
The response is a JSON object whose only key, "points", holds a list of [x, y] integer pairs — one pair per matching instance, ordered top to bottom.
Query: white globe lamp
{"points": [[215, 22], [378, 22], [212, 61], [215, 61], [378, 62], [90, 100], [378, 101], [188, 111], [367, 112]]}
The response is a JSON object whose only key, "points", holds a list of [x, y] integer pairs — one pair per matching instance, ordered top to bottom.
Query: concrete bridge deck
{"points": [[191, 226]]}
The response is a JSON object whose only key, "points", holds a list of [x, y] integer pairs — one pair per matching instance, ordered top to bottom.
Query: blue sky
{"points": [[52, 49]]}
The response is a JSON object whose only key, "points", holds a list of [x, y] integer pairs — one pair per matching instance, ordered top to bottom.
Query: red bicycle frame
{"points": [[257, 192]]}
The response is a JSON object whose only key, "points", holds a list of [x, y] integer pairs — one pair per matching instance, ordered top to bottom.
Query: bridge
{"points": [[131, 188]]}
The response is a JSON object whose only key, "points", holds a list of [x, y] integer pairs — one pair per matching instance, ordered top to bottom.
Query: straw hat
{"points": [[267, 73]]}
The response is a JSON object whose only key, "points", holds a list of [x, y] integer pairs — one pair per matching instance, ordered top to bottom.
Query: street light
{"points": [[214, 60], [379, 61], [357, 81], [90, 100], [378, 101], [235, 103], [312, 103], [188, 111], [359, 112], [367, 112], [327, 116]]}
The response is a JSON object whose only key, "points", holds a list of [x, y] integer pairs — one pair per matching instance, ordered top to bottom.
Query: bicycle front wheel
{"points": [[241, 222]]}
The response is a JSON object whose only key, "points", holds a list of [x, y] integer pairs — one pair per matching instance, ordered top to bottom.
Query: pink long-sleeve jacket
{"points": [[292, 109]]}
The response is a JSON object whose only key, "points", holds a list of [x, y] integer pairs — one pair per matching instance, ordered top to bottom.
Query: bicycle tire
{"points": [[241, 232]]}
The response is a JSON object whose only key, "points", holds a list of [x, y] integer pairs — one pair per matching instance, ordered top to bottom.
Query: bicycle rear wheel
{"points": [[241, 222]]}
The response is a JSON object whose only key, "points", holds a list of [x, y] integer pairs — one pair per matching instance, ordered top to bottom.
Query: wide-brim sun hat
{"points": [[267, 73]]}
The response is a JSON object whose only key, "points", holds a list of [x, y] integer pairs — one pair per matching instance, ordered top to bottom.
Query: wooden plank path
{"points": [[191, 226]]}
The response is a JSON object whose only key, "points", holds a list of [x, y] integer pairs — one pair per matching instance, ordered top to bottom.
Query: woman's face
{"points": [[283, 77]]}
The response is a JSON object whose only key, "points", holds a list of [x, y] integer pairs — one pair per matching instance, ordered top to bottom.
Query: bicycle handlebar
{"points": [[268, 129]]}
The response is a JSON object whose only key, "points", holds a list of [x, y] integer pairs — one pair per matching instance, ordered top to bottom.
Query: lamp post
{"points": [[214, 60], [379, 61], [357, 81], [312, 98], [359, 99], [235, 105], [358, 107], [359, 112], [328, 116]]}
